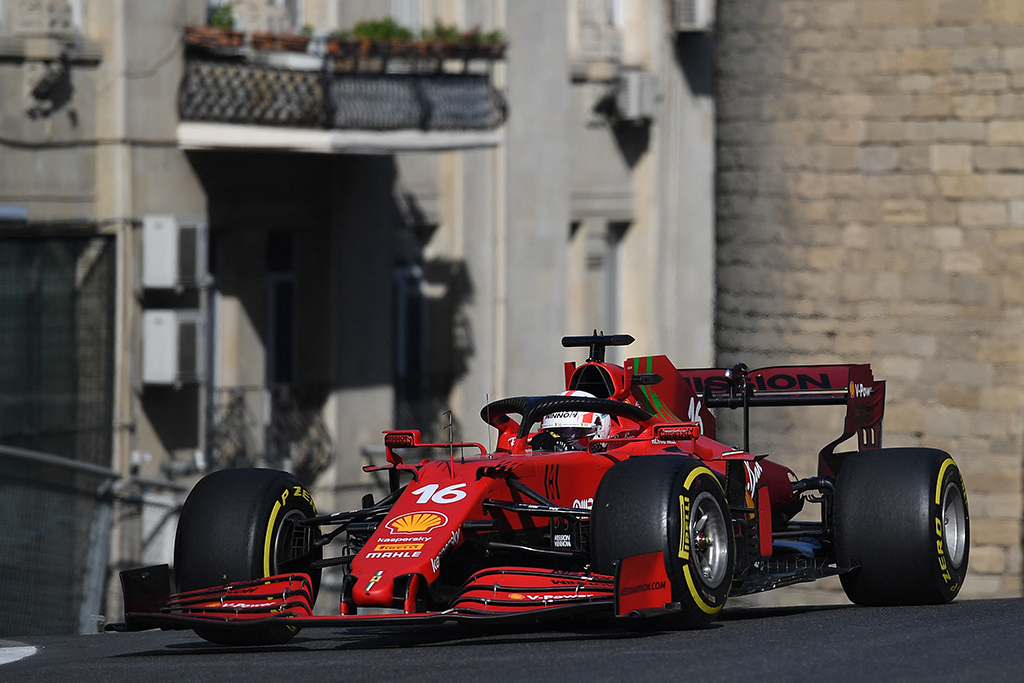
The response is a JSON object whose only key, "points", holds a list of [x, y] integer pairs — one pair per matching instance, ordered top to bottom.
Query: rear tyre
{"points": [[659, 503], [902, 521], [239, 525]]}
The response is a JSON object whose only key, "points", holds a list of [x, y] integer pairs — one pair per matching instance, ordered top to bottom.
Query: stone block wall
{"points": [[870, 199]]}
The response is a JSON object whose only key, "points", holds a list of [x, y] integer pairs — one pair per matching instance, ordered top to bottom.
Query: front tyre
{"points": [[676, 506], [903, 523], [239, 525]]}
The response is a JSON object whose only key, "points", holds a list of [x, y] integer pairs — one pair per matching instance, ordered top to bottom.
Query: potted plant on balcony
{"points": [[218, 31], [383, 37], [440, 41], [448, 42], [340, 44], [492, 44]]}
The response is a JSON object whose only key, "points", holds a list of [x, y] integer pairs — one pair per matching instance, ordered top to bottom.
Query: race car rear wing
{"points": [[851, 385]]}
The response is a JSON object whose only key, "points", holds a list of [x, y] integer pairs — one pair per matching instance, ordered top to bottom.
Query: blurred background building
{"points": [[870, 208], [263, 244]]}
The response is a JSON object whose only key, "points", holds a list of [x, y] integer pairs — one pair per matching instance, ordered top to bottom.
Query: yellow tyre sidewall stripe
{"points": [[938, 482], [939, 529], [684, 533], [268, 543]]}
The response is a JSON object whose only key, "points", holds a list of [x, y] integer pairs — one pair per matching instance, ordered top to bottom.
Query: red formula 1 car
{"points": [[612, 499]]}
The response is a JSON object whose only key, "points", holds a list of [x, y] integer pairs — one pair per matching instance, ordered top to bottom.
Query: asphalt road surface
{"points": [[980, 640]]}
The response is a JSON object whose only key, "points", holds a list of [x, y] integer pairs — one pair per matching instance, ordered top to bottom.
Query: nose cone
{"points": [[422, 528], [409, 543], [377, 590]]}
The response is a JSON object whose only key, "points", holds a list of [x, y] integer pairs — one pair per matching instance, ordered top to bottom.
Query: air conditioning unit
{"points": [[694, 15], [636, 95], [173, 252], [173, 346]]}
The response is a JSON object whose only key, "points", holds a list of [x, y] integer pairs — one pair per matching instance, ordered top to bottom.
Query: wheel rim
{"points": [[954, 523], [709, 540], [291, 541]]}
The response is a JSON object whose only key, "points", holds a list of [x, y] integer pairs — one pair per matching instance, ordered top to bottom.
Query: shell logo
{"points": [[417, 522], [516, 596]]}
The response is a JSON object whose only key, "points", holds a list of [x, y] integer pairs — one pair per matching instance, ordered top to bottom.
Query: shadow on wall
{"points": [[695, 54], [50, 89], [631, 136], [633, 139], [311, 247], [300, 251], [433, 333], [450, 333], [434, 341]]}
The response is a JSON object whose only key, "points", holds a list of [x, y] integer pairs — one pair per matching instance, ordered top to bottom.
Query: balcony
{"points": [[339, 98]]}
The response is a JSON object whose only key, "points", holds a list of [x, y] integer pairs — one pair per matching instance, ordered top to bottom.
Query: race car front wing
{"points": [[497, 594]]}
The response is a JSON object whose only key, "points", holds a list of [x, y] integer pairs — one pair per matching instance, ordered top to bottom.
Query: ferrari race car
{"points": [[613, 499]]}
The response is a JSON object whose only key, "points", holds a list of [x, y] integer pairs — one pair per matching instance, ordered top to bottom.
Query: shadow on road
{"points": [[745, 613], [377, 638]]}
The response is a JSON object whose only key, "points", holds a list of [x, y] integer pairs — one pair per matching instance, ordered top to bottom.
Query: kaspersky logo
{"points": [[416, 522]]}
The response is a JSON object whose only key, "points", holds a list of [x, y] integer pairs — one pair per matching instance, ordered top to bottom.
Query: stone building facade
{"points": [[870, 208], [355, 278]]}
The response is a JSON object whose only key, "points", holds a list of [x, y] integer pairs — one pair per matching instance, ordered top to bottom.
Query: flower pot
{"points": [[211, 36], [283, 42], [342, 48], [368, 48], [403, 49], [485, 52]]}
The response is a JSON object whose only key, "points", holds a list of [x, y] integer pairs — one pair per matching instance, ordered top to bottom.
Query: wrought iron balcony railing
{"points": [[241, 87], [291, 434]]}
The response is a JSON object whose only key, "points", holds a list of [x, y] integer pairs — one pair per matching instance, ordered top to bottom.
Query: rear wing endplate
{"points": [[851, 385]]}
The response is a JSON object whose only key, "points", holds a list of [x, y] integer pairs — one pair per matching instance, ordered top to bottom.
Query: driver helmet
{"points": [[574, 429]]}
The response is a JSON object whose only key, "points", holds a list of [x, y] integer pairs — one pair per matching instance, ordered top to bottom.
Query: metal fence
{"points": [[56, 333], [57, 520]]}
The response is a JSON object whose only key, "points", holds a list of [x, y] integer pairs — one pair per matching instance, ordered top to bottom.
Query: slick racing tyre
{"points": [[661, 503], [903, 524], [239, 525]]}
